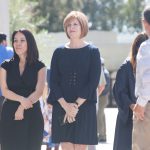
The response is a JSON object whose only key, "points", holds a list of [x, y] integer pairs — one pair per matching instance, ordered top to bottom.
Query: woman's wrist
{"points": [[21, 99], [80, 101], [32, 102], [62, 102], [78, 105], [20, 107]]}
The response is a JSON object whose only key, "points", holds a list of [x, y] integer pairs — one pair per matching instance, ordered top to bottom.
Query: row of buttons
{"points": [[72, 79]]}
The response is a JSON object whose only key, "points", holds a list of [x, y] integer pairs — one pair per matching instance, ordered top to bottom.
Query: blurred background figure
{"points": [[5, 53], [103, 92], [124, 93], [47, 116]]}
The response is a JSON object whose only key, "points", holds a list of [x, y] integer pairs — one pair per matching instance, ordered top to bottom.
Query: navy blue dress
{"points": [[75, 73], [125, 96]]}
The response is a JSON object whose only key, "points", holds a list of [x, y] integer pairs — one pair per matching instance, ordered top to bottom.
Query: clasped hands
{"points": [[24, 104], [71, 110]]}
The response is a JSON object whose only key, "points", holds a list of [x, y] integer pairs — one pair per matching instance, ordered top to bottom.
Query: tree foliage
{"points": [[132, 13], [49, 14], [20, 15]]}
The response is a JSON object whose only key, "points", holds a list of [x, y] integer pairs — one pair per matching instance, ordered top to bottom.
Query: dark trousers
{"points": [[26, 134]]}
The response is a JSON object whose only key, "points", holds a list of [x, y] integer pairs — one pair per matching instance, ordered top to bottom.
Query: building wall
{"points": [[4, 16], [111, 50]]}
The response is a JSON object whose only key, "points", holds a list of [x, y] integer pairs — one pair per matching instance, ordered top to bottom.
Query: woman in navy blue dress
{"points": [[75, 73], [22, 82], [124, 93]]}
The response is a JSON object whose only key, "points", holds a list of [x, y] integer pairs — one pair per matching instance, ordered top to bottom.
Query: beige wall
{"points": [[4, 16], [113, 52]]}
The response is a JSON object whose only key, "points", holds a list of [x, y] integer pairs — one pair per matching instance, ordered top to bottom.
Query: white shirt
{"points": [[142, 86]]}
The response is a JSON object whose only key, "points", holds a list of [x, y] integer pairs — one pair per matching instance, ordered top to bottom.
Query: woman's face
{"points": [[74, 29], [20, 44]]}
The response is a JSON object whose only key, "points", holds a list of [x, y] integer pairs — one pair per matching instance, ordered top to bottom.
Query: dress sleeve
{"points": [[5, 65], [40, 65], [94, 76], [54, 80], [121, 92]]}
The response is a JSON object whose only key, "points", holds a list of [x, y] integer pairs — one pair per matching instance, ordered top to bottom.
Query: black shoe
{"points": [[102, 140]]}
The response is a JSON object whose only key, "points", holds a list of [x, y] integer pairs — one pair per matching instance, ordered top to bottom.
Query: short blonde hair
{"points": [[81, 17]]}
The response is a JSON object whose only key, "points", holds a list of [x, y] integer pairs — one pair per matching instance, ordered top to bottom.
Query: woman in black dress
{"points": [[75, 73], [22, 82], [124, 93]]}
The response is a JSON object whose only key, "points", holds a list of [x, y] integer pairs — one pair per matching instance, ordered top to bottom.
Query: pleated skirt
{"points": [[82, 131]]}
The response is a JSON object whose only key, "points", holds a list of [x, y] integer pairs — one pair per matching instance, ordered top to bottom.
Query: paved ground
{"points": [[111, 114]]}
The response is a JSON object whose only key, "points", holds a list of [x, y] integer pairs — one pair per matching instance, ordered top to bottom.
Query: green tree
{"points": [[133, 9], [92, 11], [108, 13], [49, 14], [103, 14], [20, 15]]}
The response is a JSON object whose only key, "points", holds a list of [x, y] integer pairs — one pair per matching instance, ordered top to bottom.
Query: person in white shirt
{"points": [[141, 120]]}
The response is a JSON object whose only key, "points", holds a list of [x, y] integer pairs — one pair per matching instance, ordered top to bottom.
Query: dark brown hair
{"points": [[146, 14], [2, 37], [140, 38], [32, 50]]}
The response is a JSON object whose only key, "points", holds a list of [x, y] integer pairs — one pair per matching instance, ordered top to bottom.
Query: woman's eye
{"points": [[69, 25], [22, 40]]}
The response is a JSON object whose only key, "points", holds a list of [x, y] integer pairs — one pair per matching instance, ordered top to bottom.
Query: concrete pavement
{"points": [[111, 114]]}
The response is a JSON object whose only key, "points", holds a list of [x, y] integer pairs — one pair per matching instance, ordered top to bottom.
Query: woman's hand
{"points": [[26, 103], [71, 109], [19, 114], [68, 119]]}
